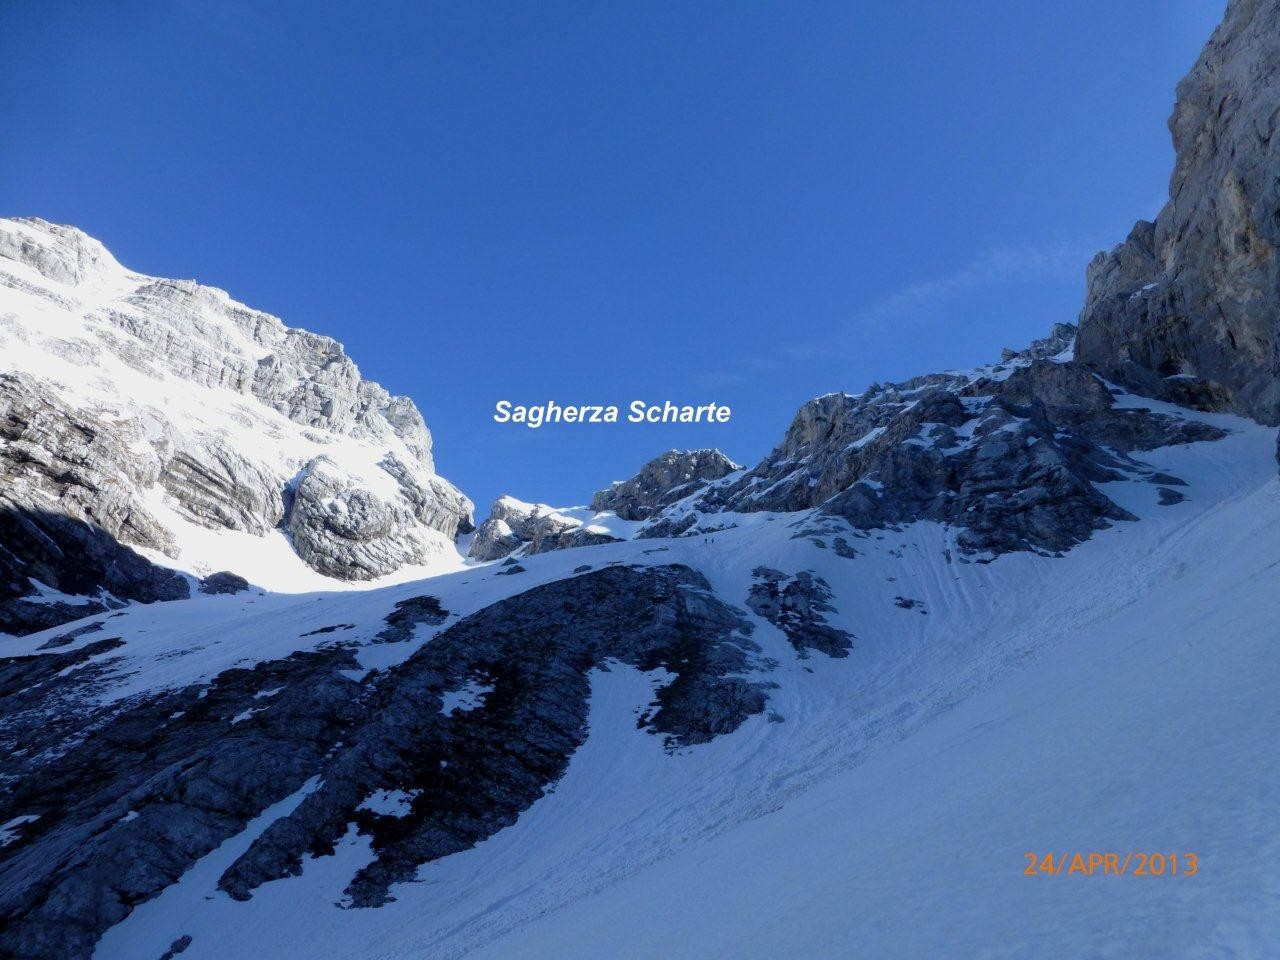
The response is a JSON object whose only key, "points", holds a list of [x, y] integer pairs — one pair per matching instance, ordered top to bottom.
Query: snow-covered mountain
{"points": [[144, 419], [819, 707]]}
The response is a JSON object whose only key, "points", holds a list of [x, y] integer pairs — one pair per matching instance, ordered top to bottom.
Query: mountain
{"points": [[1186, 308], [151, 425], [663, 481], [514, 526], [824, 706]]}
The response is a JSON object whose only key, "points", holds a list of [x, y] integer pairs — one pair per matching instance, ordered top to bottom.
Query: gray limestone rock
{"points": [[1187, 309], [1060, 341], [91, 443], [1010, 457], [58, 459], [662, 481], [215, 486], [529, 527], [345, 530], [85, 568], [223, 582], [797, 605], [408, 616], [128, 796], [122, 799]]}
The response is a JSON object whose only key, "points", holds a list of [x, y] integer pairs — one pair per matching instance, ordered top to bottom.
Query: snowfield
{"points": [[1119, 698]]}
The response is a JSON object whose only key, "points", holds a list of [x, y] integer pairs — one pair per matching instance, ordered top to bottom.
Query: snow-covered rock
{"points": [[155, 409], [1013, 455], [662, 481], [513, 525], [751, 694], [784, 714]]}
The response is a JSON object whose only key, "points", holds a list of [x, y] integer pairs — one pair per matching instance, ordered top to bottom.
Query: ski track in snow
{"points": [[1118, 698]]}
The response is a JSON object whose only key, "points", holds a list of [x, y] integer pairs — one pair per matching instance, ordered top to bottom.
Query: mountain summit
{"points": [[151, 423]]}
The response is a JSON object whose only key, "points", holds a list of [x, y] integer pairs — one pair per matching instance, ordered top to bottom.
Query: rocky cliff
{"points": [[1188, 307], [134, 410], [1009, 454], [662, 481], [615, 512], [513, 526], [265, 774]]}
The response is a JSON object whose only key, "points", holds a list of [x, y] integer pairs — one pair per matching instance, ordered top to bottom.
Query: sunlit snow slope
{"points": [[203, 433], [1118, 698]]}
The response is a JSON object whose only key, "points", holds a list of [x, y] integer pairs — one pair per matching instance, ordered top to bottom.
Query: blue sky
{"points": [[597, 202]]}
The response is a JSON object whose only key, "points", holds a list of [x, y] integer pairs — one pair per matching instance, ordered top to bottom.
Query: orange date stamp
{"points": [[1094, 863]]}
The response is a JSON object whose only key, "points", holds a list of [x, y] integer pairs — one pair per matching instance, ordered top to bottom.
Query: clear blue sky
{"points": [[594, 202]]}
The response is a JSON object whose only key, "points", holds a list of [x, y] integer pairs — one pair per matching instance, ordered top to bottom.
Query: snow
{"points": [[72, 335], [868, 437], [602, 522], [269, 561], [466, 698], [1118, 698], [390, 803], [10, 830], [144, 933]]}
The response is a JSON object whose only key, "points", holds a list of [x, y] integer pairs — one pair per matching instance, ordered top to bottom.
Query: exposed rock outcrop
{"points": [[1187, 309], [1058, 345], [1009, 455], [56, 458], [662, 481], [213, 485], [513, 525], [532, 528], [343, 529], [56, 568], [223, 582], [798, 607], [116, 802]]}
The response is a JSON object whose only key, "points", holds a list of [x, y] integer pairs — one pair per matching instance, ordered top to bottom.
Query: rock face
{"points": [[1188, 307], [1059, 345], [139, 405], [1008, 454], [662, 481], [513, 525], [343, 529], [55, 568], [223, 582], [798, 607], [116, 802]]}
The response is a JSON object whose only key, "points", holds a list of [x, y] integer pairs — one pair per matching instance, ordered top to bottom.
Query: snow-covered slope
{"points": [[201, 432], [1119, 698], [826, 706], [702, 731]]}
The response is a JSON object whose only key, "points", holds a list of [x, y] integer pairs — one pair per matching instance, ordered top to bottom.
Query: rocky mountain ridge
{"points": [[1187, 309], [137, 409], [1010, 454], [662, 481], [514, 526], [892, 596]]}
